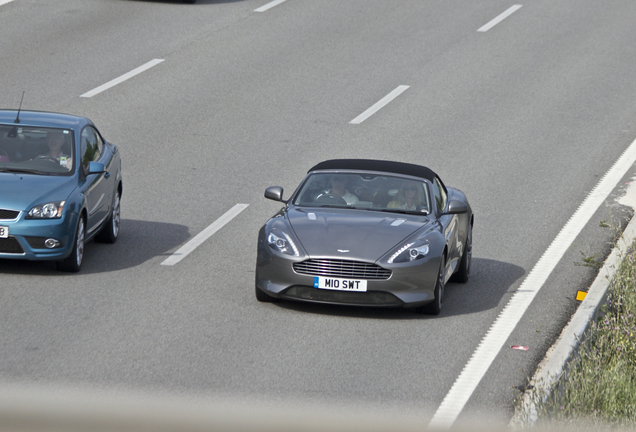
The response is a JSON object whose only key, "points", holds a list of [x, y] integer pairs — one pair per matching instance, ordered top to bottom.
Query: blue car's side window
{"points": [[91, 146]]}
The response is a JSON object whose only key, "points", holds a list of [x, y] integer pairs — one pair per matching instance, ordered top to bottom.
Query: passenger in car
{"points": [[409, 197]]}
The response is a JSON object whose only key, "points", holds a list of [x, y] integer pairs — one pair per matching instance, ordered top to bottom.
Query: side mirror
{"points": [[95, 168], [274, 193], [456, 207]]}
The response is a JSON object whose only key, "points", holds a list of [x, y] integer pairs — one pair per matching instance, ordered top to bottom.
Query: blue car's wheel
{"points": [[110, 231], [74, 262]]}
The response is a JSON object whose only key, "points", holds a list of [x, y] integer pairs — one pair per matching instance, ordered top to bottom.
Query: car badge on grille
{"points": [[343, 250]]}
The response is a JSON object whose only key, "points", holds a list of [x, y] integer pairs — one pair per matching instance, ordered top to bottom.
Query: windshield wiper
{"points": [[23, 170], [333, 206], [402, 211]]}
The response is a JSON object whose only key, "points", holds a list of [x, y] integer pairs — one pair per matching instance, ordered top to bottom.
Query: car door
{"points": [[97, 187]]}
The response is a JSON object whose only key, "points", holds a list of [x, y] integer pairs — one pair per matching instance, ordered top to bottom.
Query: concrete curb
{"points": [[555, 362]]}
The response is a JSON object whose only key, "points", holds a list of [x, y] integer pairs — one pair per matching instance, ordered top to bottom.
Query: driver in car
{"points": [[55, 140], [339, 187]]}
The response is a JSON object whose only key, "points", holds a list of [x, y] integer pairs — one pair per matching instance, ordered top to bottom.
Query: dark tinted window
{"points": [[91, 146], [440, 194]]}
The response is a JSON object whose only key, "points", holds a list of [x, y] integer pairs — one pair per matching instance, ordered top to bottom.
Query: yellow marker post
{"points": [[580, 295]]}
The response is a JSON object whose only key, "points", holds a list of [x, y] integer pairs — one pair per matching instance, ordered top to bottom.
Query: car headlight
{"points": [[52, 210], [279, 240], [410, 252]]}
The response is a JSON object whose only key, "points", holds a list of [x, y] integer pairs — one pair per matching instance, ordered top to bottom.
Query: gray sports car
{"points": [[366, 233]]}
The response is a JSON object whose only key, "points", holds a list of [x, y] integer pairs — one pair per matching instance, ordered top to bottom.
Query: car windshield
{"points": [[36, 150], [364, 191]]}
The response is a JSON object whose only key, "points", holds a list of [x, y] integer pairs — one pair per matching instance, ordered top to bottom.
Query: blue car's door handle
{"points": [[106, 174]]}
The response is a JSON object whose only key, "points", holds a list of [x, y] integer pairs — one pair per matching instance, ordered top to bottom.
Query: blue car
{"points": [[60, 186]]}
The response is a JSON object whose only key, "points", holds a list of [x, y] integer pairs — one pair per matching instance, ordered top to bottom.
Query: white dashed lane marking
{"points": [[269, 5], [500, 18], [122, 78], [379, 105], [197, 240]]}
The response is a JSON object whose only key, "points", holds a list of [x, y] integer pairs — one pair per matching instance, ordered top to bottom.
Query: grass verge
{"points": [[599, 388]]}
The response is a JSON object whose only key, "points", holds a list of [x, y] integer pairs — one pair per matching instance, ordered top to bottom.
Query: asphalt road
{"points": [[525, 117]]}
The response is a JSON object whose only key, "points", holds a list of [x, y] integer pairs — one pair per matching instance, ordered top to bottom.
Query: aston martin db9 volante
{"points": [[61, 186], [366, 233]]}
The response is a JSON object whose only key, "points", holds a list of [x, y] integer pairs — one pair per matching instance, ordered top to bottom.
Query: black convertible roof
{"points": [[376, 165]]}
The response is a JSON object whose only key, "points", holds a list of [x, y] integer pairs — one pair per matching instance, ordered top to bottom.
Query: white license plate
{"points": [[4, 232], [340, 284]]}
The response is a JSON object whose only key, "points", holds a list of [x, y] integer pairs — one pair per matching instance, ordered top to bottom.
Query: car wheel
{"points": [[110, 231], [74, 262], [463, 272], [262, 296], [435, 307]]}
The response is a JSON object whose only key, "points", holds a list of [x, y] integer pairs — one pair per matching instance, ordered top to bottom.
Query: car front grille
{"points": [[8, 214], [10, 245], [342, 269]]}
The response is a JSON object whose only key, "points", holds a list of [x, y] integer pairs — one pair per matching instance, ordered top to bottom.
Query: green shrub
{"points": [[600, 385]]}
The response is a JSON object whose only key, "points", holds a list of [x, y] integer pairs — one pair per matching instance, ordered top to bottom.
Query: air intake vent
{"points": [[8, 214], [11, 246], [342, 269]]}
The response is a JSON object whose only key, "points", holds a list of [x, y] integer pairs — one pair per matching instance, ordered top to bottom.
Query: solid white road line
{"points": [[4, 2], [269, 5], [500, 18], [122, 78], [379, 105], [204, 235], [509, 317]]}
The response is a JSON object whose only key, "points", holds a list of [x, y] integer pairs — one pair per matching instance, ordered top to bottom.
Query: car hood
{"points": [[22, 191], [351, 234]]}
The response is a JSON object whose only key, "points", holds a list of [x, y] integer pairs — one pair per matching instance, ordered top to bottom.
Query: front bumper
{"points": [[27, 238], [409, 285]]}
